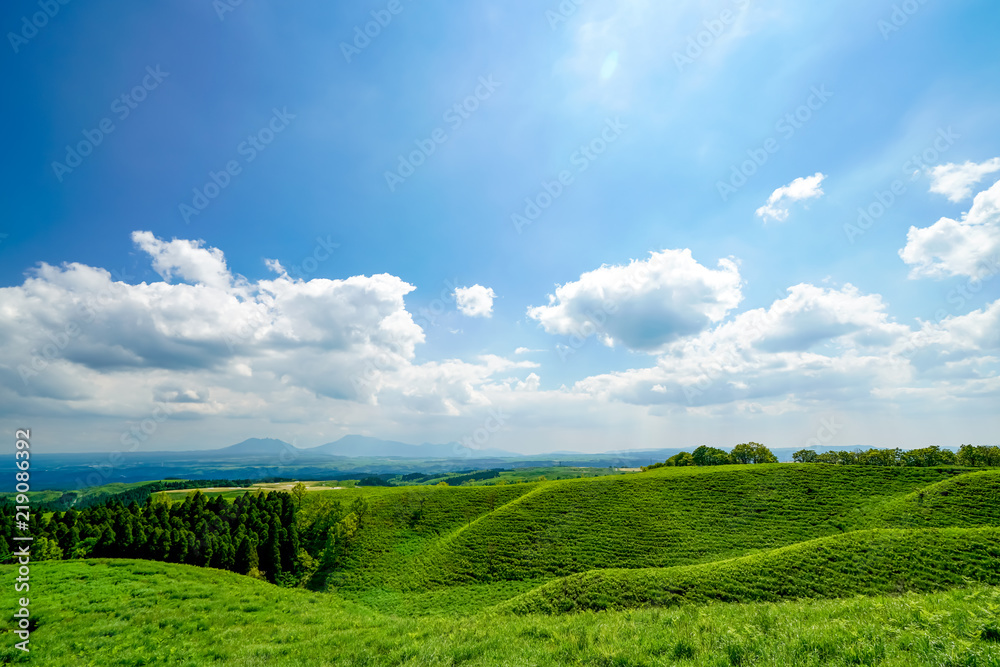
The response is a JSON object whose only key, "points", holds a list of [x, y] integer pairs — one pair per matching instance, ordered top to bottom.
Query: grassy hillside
{"points": [[972, 499], [665, 518], [405, 524], [535, 532], [873, 562], [433, 573], [125, 613]]}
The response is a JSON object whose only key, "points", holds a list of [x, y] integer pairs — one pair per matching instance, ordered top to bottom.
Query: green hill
{"points": [[972, 499], [513, 537], [871, 562], [692, 566], [125, 613]]}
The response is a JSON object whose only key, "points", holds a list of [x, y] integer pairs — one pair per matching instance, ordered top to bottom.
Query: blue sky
{"points": [[644, 109]]}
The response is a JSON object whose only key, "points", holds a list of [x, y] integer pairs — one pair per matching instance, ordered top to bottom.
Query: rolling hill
{"points": [[498, 536], [869, 562], [728, 565], [116, 613]]}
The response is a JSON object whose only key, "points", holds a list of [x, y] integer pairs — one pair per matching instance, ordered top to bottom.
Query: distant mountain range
{"points": [[349, 446], [362, 446]]}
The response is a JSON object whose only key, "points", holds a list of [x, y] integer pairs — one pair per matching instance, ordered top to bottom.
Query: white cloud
{"points": [[955, 181], [805, 187], [966, 247], [186, 259], [274, 266], [475, 301], [644, 304], [81, 343], [815, 343], [962, 343], [321, 358], [530, 383], [446, 387]]}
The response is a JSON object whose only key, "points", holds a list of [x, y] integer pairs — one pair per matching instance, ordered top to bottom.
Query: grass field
{"points": [[774, 564], [118, 613]]}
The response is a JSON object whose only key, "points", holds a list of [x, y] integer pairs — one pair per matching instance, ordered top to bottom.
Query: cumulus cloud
{"points": [[955, 181], [806, 187], [969, 246], [185, 259], [475, 301], [644, 304], [815, 343], [960, 343], [88, 344], [276, 357], [530, 383], [445, 387]]}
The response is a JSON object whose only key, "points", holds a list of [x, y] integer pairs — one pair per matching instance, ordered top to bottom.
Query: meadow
{"points": [[769, 564], [126, 613]]}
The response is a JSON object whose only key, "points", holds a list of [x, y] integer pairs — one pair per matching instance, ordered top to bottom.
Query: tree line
{"points": [[745, 453], [970, 456], [139, 493], [255, 534], [264, 535]]}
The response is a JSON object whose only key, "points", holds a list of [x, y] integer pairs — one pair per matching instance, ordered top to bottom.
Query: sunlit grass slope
{"points": [[972, 499], [663, 518], [442, 549], [871, 562], [127, 613]]}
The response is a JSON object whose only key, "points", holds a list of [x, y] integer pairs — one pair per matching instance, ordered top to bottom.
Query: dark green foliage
{"points": [[752, 452], [970, 455], [710, 456], [804, 456], [926, 457], [679, 459], [472, 477], [373, 481], [140, 493], [254, 531], [246, 556]]}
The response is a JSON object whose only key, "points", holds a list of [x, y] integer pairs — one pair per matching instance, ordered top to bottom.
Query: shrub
{"points": [[710, 456]]}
